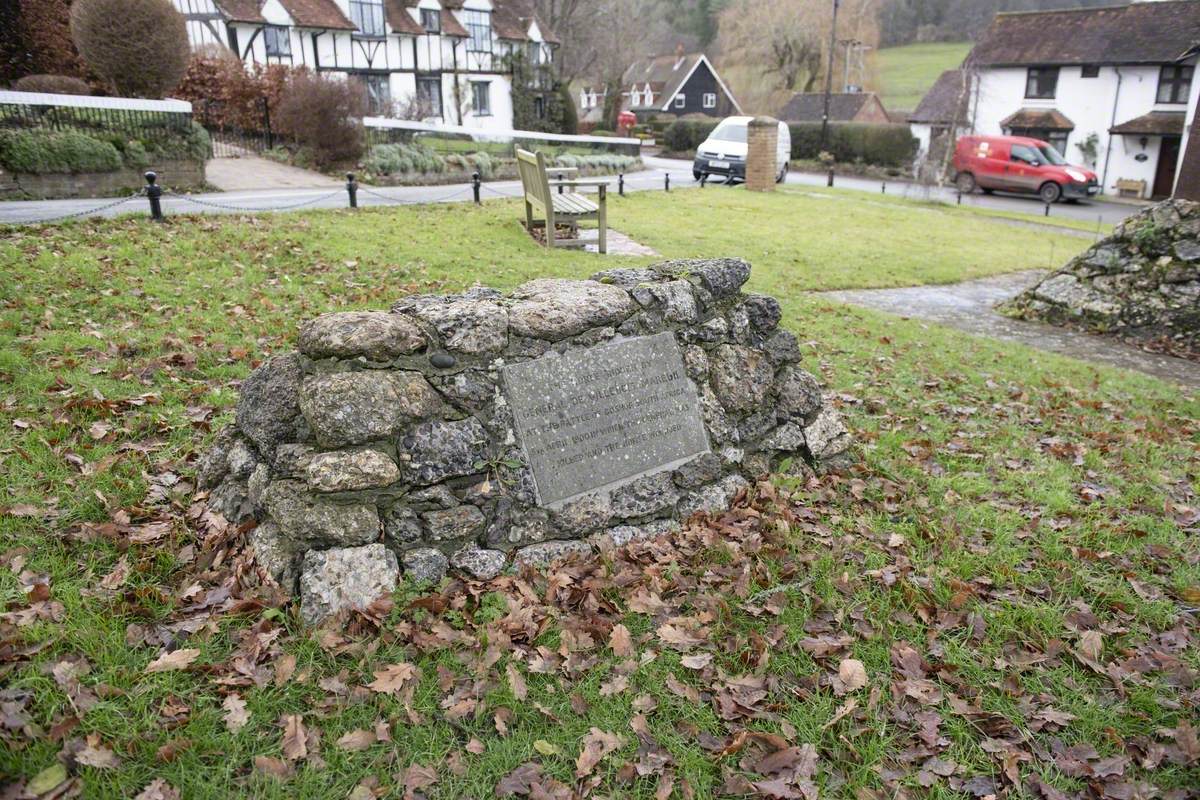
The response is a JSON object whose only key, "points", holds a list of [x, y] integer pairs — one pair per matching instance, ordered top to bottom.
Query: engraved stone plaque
{"points": [[603, 416]]}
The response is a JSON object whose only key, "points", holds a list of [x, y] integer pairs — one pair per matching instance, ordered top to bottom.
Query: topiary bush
{"points": [[139, 46], [52, 84], [884, 145], [44, 152]]}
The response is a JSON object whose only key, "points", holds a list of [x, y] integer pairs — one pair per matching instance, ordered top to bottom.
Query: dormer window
{"points": [[367, 16], [431, 20]]}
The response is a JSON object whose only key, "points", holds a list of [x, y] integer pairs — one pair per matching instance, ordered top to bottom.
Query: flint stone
{"points": [[1188, 250], [626, 277], [723, 277], [1067, 290], [676, 299], [555, 308], [764, 312], [468, 326], [375, 335], [782, 347], [695, 361], [741, 377], [799, 393], [357, 407], [268, 412], [715, 418], [827, 435], [788, 436], [440, 450], [291, 459], [241, 460], [213, 464], [702, 469], [351, 470], [256, 486], [647, 495], [434, 497], [231, 499], [712, 499], [583, 514], [318, 522], [533, 526], [452, 527], [401, 528], [621, 535], [545, 553], [275, 554], [480, 564], [425, 565], [345, 577]]}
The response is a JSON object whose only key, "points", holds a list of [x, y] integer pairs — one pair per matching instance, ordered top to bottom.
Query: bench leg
{"points": [[529, 217], [550, 226]]}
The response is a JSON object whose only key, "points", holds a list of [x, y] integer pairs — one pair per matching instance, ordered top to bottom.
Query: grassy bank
{"points": [[906, 73], [1003, 592]]}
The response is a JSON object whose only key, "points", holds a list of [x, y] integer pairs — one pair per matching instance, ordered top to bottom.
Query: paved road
{"points": [[652, 178], [970, 306]]}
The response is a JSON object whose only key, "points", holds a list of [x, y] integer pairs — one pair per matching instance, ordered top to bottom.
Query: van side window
{"points": [[1022, 153]]}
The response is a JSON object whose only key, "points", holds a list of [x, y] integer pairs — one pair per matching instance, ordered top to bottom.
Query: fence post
{"points": [[267, 123], [829, 177], [667, 182], [621, 184], [475, 186], [352, 189], [154, 193]]}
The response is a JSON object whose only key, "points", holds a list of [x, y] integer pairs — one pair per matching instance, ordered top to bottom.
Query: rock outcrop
{"points": [[1142, 283], [388, 441]]}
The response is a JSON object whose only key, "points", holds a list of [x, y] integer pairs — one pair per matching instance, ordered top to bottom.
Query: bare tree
{"points": [[139, 46]]}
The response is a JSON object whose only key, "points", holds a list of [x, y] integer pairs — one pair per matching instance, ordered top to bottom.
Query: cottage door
{"points": [[1164, 175]]}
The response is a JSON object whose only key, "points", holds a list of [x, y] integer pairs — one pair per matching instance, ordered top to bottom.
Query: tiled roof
{"points": [[241, 10], [316, 14], [512, 18], [399, 19], [451, 26], [1140, 33], [665, 74], [945, 102], [810, 106], [1050, 119], [1156, 123]]}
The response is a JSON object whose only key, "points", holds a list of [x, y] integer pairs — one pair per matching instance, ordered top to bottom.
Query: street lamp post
{"points": [[829, 76]]}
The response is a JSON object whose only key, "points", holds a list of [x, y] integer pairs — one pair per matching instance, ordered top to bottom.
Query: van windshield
{"points": [[730, 132], [1051, 155]]}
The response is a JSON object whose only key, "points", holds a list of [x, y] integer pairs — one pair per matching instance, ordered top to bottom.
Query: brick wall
{"points": [[761, 142], [178, 174]]}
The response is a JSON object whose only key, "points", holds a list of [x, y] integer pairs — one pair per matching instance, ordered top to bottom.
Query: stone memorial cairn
{"points": [[1141, 283], [476, 429]]}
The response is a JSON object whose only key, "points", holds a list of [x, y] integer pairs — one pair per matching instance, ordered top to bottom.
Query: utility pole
{"points": [[829, 77]]}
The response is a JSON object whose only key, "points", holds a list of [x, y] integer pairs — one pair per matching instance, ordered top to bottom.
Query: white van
{"points": [[724, 151]]}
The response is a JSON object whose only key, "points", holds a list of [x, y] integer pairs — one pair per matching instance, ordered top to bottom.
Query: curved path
{"points": [[970, 306]]}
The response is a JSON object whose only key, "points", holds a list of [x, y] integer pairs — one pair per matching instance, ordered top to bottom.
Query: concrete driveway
{"points": [[255, 173]]}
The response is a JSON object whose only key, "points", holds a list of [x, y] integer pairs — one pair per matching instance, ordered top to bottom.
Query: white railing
{"points": [[87, 101], [492, 134]]}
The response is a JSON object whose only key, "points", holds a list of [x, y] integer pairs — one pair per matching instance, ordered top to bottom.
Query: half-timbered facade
{"points": [[436, 60]]}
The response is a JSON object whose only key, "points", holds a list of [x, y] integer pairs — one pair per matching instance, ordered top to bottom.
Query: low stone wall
{"points": [[506, 171], [175, 174], [1142, 283], [483, 429]]}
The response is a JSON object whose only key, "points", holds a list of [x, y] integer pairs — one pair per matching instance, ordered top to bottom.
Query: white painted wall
{"points": [[1088, 103]]}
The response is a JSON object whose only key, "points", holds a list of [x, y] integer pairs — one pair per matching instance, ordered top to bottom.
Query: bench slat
{"points": [[573, 204]]}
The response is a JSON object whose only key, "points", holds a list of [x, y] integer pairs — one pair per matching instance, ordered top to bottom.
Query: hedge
{"points": [[885, 145], [39, 151]]}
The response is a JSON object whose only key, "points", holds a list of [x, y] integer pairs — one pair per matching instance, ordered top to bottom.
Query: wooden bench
{"points": [[545, 207]]}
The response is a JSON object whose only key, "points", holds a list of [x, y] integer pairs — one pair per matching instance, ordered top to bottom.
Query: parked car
{"points": [[724, 151], [1019, 164]]}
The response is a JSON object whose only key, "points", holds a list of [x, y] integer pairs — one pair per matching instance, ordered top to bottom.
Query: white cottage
{"points": [[449, 59], [1114, 88]]}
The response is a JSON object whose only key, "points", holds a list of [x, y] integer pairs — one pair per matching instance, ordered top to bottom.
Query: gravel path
{"points": [[970, 306]]}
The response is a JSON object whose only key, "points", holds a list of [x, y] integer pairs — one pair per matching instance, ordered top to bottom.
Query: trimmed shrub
{"points": [[140, 46], [52, 84], [228, 93], [323, 114], [685, 135], [885, 145], [44, 152], [390, 159], [610, 161], [484, 163]]}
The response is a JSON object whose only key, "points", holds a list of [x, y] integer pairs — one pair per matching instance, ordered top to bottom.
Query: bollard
{"points": [[829, 178], [703, 179], [667, 182], [621, 184], [475, 186], [883, 187], [352, 189], [154, 193], [959, 193], [1046, 213]]}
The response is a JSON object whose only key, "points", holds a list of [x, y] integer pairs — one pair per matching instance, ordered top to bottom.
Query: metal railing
{"points": [[65, 112]]}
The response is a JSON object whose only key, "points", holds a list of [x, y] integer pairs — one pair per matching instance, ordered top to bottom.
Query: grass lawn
{"points": [[907, 72], [1014, 565]]}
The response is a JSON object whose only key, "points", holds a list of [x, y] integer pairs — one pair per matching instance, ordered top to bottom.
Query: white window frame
{"points": [[433, 14], [368, 18], [481, 89], [635, 98], [710, 99], [681, 100]]}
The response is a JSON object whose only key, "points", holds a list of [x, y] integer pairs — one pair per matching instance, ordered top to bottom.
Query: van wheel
{"points": [[782, 176], [965, 182], [1050, 192]]}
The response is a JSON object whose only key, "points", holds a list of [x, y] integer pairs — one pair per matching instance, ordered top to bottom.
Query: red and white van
{"points": [[1019, 164]]}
